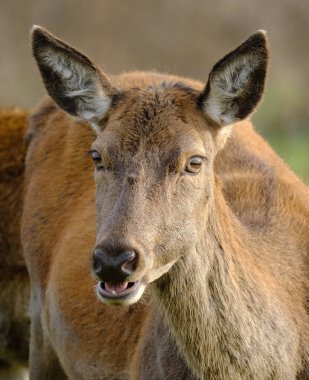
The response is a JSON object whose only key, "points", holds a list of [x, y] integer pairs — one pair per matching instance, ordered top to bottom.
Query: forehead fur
{"points": [[154, 115]]}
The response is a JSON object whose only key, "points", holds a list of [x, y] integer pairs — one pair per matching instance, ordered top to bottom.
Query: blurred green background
{"points": [[175, 36]]}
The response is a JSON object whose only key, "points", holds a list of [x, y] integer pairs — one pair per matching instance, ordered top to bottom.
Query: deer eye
{"points": [[97, 159], [194, 165]]}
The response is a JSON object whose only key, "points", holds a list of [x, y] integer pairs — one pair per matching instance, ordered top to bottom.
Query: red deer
{"points": [[195, 230], [14, 281]]}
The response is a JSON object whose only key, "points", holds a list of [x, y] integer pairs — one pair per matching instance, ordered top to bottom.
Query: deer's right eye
{"points": [[97, 159]]}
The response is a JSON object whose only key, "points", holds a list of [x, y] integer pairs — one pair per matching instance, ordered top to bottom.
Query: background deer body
{"points": [[184, 206], [14, 281]]}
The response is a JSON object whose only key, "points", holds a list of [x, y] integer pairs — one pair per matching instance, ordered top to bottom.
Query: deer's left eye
{"points": [[97, 159], [194, 165]]}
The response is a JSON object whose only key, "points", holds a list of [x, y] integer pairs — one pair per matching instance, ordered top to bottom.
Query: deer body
{"points": [[227, 283]]}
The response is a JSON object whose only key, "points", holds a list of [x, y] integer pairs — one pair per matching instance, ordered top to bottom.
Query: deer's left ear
{"points": [[236, 82]]}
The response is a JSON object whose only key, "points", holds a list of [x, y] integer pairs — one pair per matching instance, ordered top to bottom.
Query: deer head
{"points": [[153, 154]]}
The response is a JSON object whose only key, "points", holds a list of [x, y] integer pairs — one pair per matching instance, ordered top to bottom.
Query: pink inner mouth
{"points": [[116, 288], [119, 290]]}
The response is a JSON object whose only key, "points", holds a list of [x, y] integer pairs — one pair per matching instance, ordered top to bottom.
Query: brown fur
{"points": [[14, 281], [234, 303]]}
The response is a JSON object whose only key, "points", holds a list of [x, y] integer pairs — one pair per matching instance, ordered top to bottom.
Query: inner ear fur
{"points": [[70, 78], [236, 83]]}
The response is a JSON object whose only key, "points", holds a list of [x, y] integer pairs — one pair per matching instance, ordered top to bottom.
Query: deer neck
{"points": [[212, 304]]}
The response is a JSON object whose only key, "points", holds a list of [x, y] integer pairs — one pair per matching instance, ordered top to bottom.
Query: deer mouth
{"points": [[121, 292]]}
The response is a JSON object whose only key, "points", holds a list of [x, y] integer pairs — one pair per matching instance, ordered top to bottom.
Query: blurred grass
{"points": [[283, 120], [293, 149]]}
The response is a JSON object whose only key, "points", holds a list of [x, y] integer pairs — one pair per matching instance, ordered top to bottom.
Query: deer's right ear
{"points": [[70, 78]]}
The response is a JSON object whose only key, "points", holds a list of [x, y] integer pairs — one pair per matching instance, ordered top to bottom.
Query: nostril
{"points": [[101, 262], [97, 263], [130, 264], [97, 266]]}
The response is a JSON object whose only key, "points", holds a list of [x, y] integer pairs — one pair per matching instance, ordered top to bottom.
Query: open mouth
{"points": [[108, 291]]}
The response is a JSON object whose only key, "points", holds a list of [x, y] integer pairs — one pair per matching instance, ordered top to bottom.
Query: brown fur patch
{"points": [[14, 281]]}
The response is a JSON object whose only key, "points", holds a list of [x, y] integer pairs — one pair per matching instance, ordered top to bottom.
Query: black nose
{"points": [[114, 266]]}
